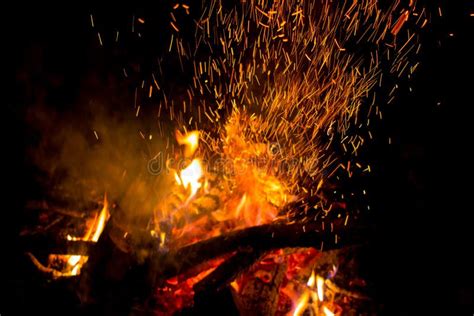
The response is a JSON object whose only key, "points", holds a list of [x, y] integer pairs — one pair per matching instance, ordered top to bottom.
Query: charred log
{"points": [[320, 235]]}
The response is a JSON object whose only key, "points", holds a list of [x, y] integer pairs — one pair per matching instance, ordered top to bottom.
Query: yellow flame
{"points": [[189, 140], [190, 177], [178, 180], [241, 205], [101, 220], [92, 234], [162, 238], [73, 260], [311, 280], [320, 284], [235, 286], [303, 300], [302, 304], [327, 311]]}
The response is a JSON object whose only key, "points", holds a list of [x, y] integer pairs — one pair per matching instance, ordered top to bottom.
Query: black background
{"points": [[420, 188]]}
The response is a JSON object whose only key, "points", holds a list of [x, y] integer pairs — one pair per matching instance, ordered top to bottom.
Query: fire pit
{"points": [[244, 206]]}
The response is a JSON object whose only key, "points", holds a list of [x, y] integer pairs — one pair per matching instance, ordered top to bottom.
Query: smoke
{"points": [[93, 147]]}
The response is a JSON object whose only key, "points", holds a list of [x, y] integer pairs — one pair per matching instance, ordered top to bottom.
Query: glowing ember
{"points": [[178, 291]]}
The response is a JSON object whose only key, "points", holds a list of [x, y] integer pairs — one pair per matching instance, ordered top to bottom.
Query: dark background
{"points": [[420, 187]]}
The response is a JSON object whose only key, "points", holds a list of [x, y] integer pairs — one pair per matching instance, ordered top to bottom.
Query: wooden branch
{"points": [[63, 207], [259, 238], [52, 245], [227, 271], [52, 273]]}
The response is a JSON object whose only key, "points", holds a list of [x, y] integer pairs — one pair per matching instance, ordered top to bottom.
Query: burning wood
{"points": [[241, 204], [60, 265]]}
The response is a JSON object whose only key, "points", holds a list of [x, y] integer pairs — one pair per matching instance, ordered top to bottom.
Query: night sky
{"points": [[420, 189]]}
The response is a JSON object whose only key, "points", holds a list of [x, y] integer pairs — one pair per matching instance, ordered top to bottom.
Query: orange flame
{"points": [[189, 140], [248, 194], [75, 262], [312, 297], [327, 311]]}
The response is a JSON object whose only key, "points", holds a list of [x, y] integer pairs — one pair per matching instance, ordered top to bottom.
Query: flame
{"points": [[189, 140], [190, 177], [248, 194], [239, 207], [100, 221], [162, 238], [75, 262], [311, 279], [320, 287], [311, 297], [303, 300], [302, 304], [327, 311]]}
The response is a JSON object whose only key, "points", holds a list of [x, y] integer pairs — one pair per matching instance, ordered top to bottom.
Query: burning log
{"points": [[259, 238], [250, 240], [130, 264], [227, 271], [123, 272], [260, 295]]}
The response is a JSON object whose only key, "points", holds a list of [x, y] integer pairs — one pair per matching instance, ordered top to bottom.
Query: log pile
{"points": [[124, 269]]}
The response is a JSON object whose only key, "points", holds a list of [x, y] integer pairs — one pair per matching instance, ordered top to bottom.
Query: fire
{"points": [[288, 70], [284, 95], [190, 140], [190, 177], [257, 191], [248, 193], [100, 221], [74, 263], [311, 279], [320, 288], [178, 291], [312, 297], [302, 304], [327, 311]]}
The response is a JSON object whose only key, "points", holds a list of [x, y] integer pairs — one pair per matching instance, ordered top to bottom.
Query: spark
{"points": [[100, 39], [284, 72]]}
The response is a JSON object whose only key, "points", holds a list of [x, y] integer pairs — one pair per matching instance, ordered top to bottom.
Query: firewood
{"points": [[260, 238], [46, 244], [227, 271], [260, 297]]}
